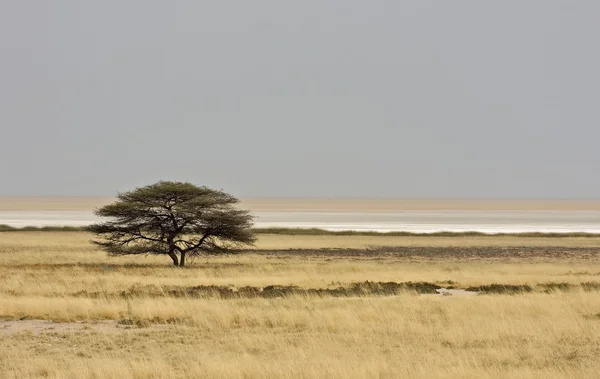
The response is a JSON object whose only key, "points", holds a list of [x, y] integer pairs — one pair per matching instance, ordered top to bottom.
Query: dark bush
{"points": [[502, 288]]}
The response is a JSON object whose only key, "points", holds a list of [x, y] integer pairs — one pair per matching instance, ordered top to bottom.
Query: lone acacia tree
{"points": [[173, 218]]}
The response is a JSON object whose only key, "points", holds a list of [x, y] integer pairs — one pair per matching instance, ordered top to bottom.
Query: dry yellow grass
{"points": [[536, 335]]}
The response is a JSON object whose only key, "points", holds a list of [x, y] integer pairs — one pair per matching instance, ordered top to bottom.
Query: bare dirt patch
{"points": [[316, 204], [466, 252], [44, 326], [37, 327]]}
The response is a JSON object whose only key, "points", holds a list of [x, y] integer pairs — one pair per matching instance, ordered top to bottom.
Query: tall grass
{"points": [[322, 316]]}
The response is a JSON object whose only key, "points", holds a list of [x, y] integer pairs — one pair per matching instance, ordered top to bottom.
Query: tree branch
{"points": [[197, 246]]}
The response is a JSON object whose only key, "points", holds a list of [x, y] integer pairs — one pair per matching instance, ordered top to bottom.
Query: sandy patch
{"points": [[320, 204], [400, 205], [454, 292]]}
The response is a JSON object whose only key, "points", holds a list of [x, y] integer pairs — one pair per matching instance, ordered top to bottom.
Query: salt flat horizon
{"points": [[336, 214], [491, 222]]}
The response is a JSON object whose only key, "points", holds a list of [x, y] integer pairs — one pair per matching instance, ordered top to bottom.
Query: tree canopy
{"points": [[173, 218]]}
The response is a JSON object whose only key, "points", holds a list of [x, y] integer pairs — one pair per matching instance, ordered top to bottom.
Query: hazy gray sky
{"points": [[307, 98]]}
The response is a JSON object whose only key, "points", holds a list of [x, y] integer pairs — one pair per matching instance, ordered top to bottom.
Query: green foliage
{"points": [[175, 219]]}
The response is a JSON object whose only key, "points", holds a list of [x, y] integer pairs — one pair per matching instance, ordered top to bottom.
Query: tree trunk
{"points": [[174, 258], [182, 260]]}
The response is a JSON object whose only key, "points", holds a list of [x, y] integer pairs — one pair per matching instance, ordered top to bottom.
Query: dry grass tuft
{"points": [[305, 313]]}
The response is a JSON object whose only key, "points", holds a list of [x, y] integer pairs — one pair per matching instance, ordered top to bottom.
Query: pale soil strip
{"points": [[322, 204], [398, 205], [453, 292], [44, 326], [37, 327]]}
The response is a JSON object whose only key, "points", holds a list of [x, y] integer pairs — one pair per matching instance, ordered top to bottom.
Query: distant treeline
{"points": [[8, 228], [323, 232]]}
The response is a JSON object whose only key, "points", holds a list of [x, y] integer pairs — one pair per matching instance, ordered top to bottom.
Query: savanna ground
{"points": [[301, 307]]}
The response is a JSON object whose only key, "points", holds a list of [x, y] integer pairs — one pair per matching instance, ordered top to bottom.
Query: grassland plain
{"points": [[303, 306]]}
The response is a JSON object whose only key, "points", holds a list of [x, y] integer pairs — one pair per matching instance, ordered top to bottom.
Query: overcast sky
{"points": [[307, 98]]}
